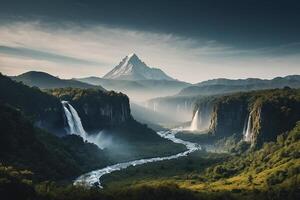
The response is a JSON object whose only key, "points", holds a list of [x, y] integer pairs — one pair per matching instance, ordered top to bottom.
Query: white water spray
{"points": [[74, 121], [195, 121], [75, 126], [247, 129]]}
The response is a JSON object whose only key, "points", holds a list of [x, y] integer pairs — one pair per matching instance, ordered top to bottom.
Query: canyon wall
{"points": [[204, 106], [97, 109], [257, 116]]}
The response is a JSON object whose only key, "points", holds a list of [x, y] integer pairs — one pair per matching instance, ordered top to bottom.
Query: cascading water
{"points": [[74, 121], [195, 121], [75, 127], [247, 129]]}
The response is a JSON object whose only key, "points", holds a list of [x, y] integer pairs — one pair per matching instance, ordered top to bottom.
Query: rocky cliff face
{"points": [[204, 106], [97, 109], [229, 116], [256, 116], [274, 116]]}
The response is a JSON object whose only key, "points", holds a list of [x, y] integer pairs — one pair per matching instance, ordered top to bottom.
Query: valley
{"points": [[149, 100], [203, 146]]}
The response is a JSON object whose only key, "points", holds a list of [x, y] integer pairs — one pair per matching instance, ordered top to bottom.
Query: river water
{"points": [[94, 177]]}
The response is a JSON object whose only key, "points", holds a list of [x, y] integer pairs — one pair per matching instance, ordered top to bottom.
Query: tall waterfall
{"points": [[74, 121], [195, 122], [247, 129]]}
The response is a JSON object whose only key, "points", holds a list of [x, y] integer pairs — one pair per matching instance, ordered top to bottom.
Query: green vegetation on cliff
{"points": [[43, 109], [97, 109], [272, 112], [47, 156], [271, 172]]}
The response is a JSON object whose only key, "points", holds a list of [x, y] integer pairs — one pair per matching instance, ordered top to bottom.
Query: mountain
{"points": [[132, 68], [46, 81], [222, 86]]}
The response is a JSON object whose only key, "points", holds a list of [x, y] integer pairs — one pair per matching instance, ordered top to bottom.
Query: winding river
{"points": [[94, 177]]}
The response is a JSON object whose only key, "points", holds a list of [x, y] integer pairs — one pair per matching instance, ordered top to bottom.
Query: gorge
{"points": [[99, 125]]}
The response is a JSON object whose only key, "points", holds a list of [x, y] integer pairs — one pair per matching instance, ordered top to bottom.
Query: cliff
{"points": [[204, 106], [97, 109], [274, 113], [229, 115], [257, 116]]}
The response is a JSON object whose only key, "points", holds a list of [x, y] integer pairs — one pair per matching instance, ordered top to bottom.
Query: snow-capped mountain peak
{"points": [[132, 68]]}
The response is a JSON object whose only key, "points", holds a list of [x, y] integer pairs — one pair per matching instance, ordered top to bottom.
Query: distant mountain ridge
{"points": [[132, 68], [44, 80], [248, 81], [222, 85], [139, 90]]}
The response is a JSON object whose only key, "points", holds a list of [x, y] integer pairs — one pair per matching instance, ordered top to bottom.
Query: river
{"points": [[94, 177]]}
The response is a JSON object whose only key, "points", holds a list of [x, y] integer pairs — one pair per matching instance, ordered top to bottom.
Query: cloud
{"points": [[77, 51], [41, 55]]}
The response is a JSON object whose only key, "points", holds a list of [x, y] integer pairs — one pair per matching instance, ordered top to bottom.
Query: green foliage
{"points": [[87, 95], [35, 104], [279, 106], [97, 109], [139, 140], [49, 157], [276, 163], [181, 169], [16, 184]]}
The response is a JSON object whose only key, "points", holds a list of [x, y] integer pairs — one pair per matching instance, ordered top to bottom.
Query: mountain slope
{"points": [[132, 68], [47, 81], [251, 81], [223, 86], [43, 109], [49, 157], [271, 172]]}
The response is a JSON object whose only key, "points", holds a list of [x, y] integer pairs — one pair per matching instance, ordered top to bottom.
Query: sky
{"points": [[190, 40]]}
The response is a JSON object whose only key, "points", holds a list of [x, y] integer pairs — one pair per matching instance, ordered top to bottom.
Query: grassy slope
{"points": [[273, 168]]}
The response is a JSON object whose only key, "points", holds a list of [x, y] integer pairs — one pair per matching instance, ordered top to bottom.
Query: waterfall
{"points": [[195, 121], [74, 122], [75, 126], [247, 129]]}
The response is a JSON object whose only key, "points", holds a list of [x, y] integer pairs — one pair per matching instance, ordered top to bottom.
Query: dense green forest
{"points": [[41, 108], [50, 158], [42, 166], [269, 173]]}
